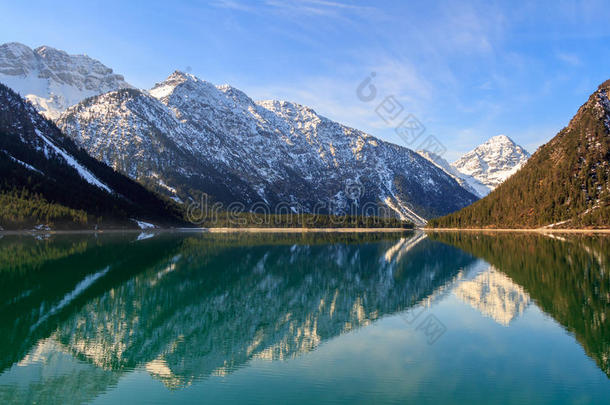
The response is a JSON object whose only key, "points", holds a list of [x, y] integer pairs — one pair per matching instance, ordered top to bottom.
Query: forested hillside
{"points": [[45, 179], [564, 184]]}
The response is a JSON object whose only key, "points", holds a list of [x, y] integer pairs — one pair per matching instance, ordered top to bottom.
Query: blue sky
{"points": [[466, 70]]}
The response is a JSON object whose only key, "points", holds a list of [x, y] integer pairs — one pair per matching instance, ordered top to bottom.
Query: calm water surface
{"points": [[305, 318]]}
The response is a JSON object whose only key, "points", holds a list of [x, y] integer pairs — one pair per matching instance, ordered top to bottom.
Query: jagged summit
{"points": [[177, 77], [51, 79], [167, 86], [180, 87], [501, 139], [493, 161]]}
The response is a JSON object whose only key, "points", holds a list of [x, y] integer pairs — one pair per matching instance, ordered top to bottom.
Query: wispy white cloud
{"points": [[234, 5], [317, 7], [296, 8], [569, 58], [452, 64]]}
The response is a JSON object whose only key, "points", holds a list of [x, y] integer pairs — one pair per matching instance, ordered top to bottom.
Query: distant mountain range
{"points": [[185, 137], [188, 139], [566, 183]]}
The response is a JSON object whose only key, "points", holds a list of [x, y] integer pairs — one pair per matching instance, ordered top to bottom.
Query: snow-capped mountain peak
{"points": [[51, 79], [167, 86], [186, 89], [493, 161]]}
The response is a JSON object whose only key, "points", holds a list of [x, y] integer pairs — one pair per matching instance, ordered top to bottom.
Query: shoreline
{"points": [[204, 230], [301, 230], [520, 230]]}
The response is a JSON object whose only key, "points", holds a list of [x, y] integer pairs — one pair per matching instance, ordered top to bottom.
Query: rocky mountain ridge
{"points": [[51, 79], [191, 140], [276, 153], [47, 179]]}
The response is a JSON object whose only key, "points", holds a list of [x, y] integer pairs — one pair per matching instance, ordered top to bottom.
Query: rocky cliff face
{"points": [[51, 79]]}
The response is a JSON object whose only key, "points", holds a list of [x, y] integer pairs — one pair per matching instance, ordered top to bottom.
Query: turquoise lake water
{"points": [[305, 318]]}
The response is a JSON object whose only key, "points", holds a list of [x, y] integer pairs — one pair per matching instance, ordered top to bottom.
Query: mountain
{"points": [[51, 79], [189, 136], [140, 137], [493, 161], [485, 167], [47, 180], [469, 183], [565, 183]]}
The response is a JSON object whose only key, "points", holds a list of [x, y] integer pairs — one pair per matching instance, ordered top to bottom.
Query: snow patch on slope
{"points": [[26, 165], [82, 171], [468, 182], [144, 225], [69, 297]]}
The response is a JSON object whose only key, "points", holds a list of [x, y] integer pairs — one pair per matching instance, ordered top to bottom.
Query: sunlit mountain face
{"points": [[191, 310]]}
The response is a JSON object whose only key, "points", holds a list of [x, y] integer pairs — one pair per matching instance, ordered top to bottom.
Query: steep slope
{"points": [[51, 79], [137, 135], [280, 154], [492, 162], [46, 179], [565, 183], [471, 184]]}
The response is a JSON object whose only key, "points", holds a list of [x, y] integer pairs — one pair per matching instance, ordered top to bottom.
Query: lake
{"points": [[452, 318]]}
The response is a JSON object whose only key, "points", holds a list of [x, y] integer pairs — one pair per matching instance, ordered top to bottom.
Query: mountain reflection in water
{"points": [[567, 277], [187, 307], [79, 312]]}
